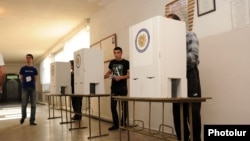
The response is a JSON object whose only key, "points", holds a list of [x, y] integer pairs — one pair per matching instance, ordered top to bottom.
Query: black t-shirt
{"points": [[119, 68]]}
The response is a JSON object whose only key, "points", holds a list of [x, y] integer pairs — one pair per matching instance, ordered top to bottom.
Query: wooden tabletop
{"points": [[79, 95], [173, 100]]}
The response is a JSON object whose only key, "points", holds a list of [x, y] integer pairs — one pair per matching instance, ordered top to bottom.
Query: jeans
{"points": [[29, 94]]}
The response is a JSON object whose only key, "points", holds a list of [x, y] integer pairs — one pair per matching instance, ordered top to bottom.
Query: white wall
{"points": [[120, 15], [117, 18], [215, 22], [224, 55], [224, 67], [225, 77]]}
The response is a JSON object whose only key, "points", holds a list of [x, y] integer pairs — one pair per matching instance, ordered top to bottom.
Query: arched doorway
{"points": [[12, 88]]}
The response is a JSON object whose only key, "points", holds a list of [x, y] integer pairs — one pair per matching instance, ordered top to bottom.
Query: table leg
{"points": [[65, 100], [51, 102], [70, 108], [61, 109], [53, 110], [119, 115], [149, 117], [89, 118], [99, 118], [181, 121], [190, 121], [79, 125]]}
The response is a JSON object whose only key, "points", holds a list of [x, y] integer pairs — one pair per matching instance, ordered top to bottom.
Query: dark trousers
{"points": [[194, 90], [119, 91], [77, 105], [115, 118]]}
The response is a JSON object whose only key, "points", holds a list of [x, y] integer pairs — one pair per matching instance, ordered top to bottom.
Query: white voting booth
{"points": [[157, 55], [88, 69], [60, 81]]}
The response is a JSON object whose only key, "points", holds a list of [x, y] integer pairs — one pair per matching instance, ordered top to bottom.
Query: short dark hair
{"points": [[174, 16], [118, 48], [30, 55]]}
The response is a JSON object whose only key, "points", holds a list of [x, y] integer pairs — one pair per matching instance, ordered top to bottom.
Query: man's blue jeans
{"points": [[29, 94]]}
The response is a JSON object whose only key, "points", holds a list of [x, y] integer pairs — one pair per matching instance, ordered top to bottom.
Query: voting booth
{"points": [[157, 56], [88, 69], [60, 78]]}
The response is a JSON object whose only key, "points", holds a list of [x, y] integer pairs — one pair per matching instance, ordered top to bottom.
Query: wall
{"points": [[119, 15], [117, 18], [215, 22], [223, 54], [224, 67], [13, 68], [224, 76]]}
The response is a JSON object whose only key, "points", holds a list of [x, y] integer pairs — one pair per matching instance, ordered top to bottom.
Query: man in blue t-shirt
{"points": [[28, 77]]}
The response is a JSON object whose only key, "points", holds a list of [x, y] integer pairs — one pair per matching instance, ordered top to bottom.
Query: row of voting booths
{"points": [[157, 55], [88, 79]]}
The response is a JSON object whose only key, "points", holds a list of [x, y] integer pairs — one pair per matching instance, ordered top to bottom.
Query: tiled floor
{"points": [[52, 130]]}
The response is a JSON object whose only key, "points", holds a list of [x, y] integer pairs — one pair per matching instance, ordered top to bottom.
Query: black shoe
{"points": [[76, 117], [22, 121], [33, 123], [113, 128]]}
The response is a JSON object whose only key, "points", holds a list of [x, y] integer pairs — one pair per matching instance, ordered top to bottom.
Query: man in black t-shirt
{"points": [[119, 72]]}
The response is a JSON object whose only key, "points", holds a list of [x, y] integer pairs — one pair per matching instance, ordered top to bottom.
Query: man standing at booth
{"points": [[119, 70], [28, 77], [193, 88], [76, 101]]}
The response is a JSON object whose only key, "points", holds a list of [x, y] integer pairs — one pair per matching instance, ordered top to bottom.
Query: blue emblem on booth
{"points": [[142, 40], [78, 60]]}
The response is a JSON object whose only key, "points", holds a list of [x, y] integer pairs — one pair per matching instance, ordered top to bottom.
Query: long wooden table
{"points": [[89, 96], [51, 99], [51, 105], [159, 134]]}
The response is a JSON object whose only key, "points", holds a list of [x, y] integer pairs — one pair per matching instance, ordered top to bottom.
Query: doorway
{"points": [[11, 88]]}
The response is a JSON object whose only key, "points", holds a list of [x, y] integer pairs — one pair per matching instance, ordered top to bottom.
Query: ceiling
{"points": [[38, 26]]}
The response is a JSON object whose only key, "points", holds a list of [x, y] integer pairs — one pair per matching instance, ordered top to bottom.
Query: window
{"points": [[80, 40]]}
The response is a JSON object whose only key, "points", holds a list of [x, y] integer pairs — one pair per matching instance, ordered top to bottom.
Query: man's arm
{"points": [[192, 48], [108, 73], [2, 76]]}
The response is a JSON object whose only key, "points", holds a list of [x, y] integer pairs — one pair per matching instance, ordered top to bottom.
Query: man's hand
{"points": [[117, 78]]}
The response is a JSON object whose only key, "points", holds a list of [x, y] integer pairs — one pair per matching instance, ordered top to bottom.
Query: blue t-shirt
{"points": [[28, 79]]}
